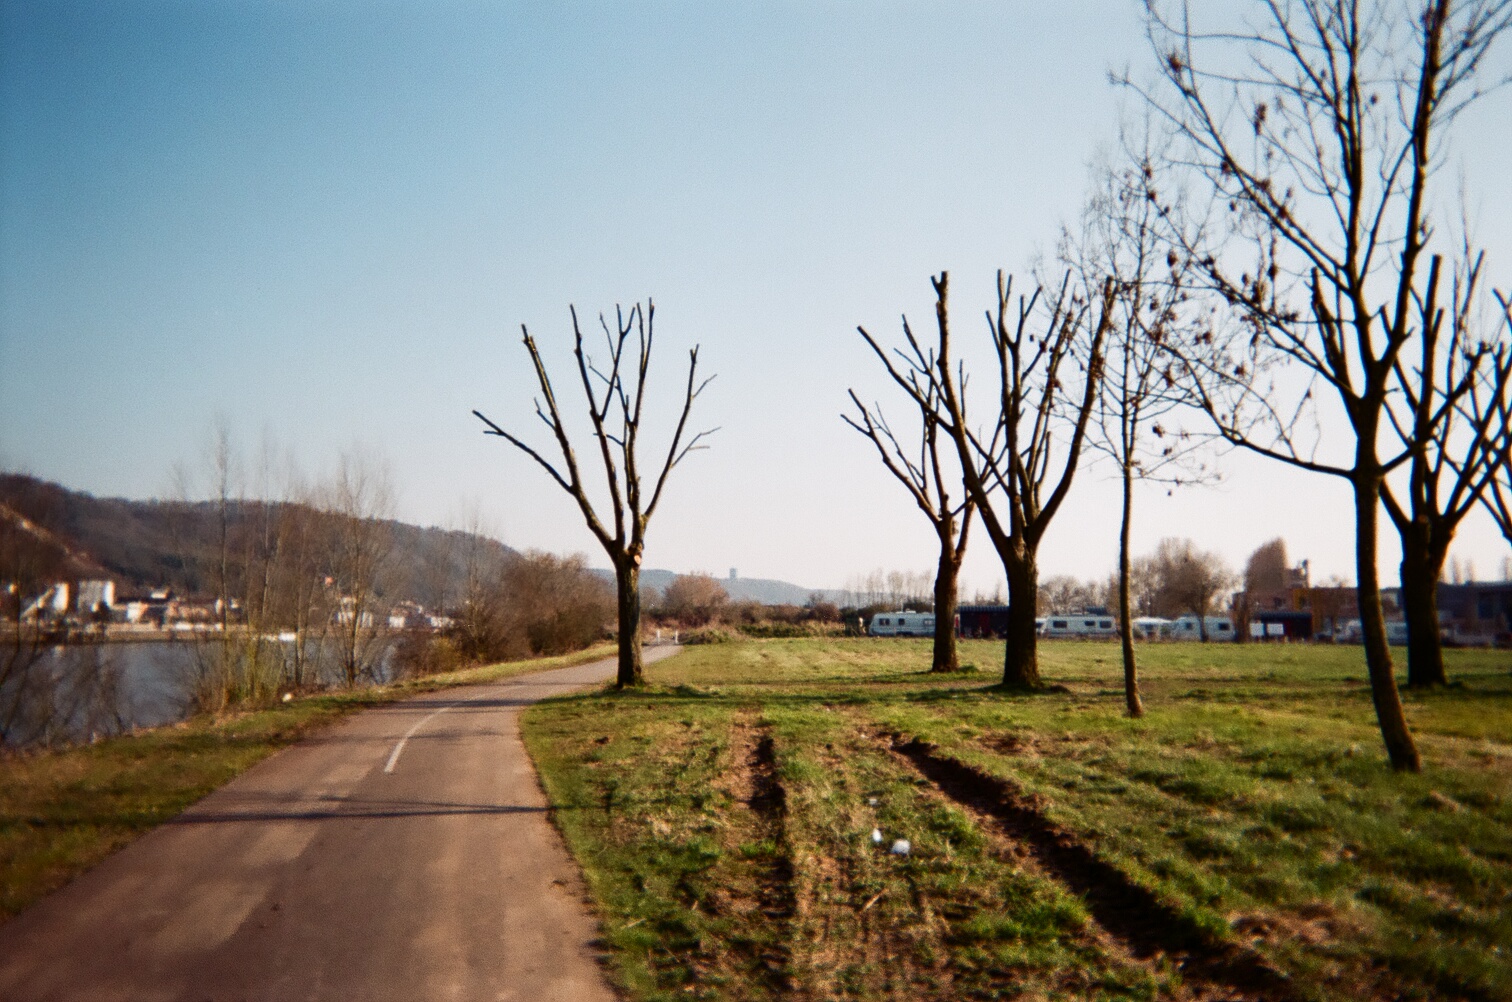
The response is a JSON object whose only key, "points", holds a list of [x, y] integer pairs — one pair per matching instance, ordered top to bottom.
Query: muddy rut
{"points": [[769, 891], [1135, 919]]}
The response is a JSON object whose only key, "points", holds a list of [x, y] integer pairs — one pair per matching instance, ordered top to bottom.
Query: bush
{"points": [[695, 599], [541, 604], [808, 628], [710, 635], [421, 654]]}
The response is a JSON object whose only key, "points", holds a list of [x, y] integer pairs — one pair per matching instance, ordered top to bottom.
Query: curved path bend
{"points": [[403, 854]]}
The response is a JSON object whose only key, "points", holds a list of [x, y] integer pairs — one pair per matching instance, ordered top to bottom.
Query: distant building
{"points": [[95, 596], [51, 604], [346, 610], [1301, 611], [1476, 612], [409, 616], [981, 620], [1281, 624]]}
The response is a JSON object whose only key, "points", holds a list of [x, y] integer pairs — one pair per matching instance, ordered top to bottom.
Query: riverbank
{"points": [[64, 810]]}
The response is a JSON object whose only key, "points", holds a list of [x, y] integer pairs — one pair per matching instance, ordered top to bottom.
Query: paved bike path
{"points": [[402, 854]]}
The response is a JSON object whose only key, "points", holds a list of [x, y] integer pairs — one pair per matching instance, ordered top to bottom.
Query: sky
{"points": [[324, 224]]}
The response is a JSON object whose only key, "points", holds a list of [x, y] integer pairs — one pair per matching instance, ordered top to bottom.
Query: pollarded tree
{"points": [[1313, 134], [616, 397], [1454, 418], [1006, 466], [924, 476], [1498, 498]]}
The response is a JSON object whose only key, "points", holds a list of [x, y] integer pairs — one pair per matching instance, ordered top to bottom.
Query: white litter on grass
{"points": [[288, 697], [871, 801], [876, 836], [901, 847]]}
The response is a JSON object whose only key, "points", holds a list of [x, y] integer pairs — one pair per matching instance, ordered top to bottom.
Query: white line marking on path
{"points": [[393, 758]]}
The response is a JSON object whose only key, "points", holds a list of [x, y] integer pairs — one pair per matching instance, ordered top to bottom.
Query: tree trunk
{"points": [[1420, 574], [627, 583], [1125, 612], [945, 657], [1020, 659], [1400, 748]]}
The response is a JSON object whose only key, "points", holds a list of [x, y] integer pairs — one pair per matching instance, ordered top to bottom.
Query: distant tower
{"points": [[734, 574]]}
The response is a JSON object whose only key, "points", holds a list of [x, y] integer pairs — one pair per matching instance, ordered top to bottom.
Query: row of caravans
{"points": [[1081, 626], [1085, 626], [1145, 627], [1183, 628]]}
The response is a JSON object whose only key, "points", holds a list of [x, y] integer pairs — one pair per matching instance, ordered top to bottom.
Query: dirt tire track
{"points": [[756, 784], [1130, 913]]}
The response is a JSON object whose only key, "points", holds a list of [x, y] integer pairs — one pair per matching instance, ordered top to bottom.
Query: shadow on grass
{"points": [[811, 694]]}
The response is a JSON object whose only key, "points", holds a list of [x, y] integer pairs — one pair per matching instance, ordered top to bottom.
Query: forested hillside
{"points": [[48, 532]]}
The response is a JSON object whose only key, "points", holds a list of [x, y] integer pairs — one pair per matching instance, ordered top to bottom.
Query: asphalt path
{"points": [[404, 854]]}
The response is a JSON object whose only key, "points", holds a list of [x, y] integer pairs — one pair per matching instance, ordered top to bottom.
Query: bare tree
{"points": [[1314, 133], [1122, 243], [615, 399], [1486, 403], [1456, 425], [1006, 468], [923, 476], [1499, 499], [358, 503], [262, 527], [30, 556], [1189, 579], [894, 589], [1063, 594], [303, 601], [479, 624], [214, 669]]}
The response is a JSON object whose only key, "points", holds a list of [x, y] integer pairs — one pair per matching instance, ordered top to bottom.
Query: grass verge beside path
{"points": [[62, 811], [1245, 840]]}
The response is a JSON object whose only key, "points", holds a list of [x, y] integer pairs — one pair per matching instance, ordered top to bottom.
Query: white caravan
{"points": [[902, 624], [1079, 626], [1152, 628], [1218, 628]]}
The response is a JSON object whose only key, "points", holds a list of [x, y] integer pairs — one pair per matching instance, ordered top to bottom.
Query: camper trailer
{"points": [[903, 624], [1078, 626], [1152, 628], [1187, 628]]}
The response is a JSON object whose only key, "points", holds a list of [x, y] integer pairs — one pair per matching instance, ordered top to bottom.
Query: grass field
{"points": [[62, 811], [1245, 840]]}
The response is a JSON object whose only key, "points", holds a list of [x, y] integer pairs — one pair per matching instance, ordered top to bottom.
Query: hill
{"points": [[49, 533], [764, 590]]}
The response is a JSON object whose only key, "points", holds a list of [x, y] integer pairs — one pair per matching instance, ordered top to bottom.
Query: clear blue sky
{"points": [[326, 222]]}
